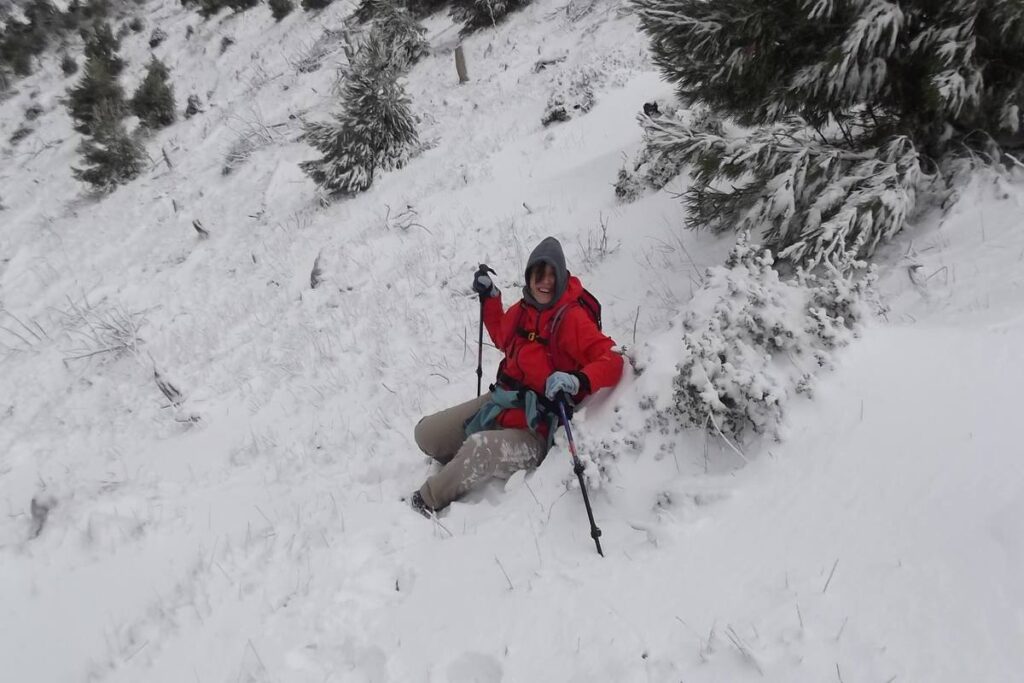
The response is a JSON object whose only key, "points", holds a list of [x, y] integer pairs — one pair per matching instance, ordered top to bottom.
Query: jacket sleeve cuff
{"points": [[584, 382]]}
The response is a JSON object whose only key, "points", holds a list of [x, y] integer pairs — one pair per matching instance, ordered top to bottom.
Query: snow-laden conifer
{"points": [[478, 14], [97, 89], [153, 100], [854, 103], [374, 132], [111, 156]]}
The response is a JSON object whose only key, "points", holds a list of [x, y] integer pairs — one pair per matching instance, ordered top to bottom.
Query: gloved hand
{"points": [[482, 283], [561, 381]]}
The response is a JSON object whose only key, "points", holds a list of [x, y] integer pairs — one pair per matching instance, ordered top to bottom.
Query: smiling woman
{"points": [[542, 282], [554, 350]]}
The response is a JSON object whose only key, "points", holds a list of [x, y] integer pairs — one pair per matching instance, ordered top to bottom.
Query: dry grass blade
{"points": [[743, 649]]}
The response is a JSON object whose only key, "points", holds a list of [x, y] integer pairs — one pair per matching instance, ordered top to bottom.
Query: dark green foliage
{"points": [[315, 4], [242, 5], [208, 8], [281, 8], [424, 8], [368, 9], [478, 14], [136, 25], [397, 28], [157, 36], [23, 41], [101, 46], [68, 65], [931, 71], [97, 89], [153, 101], [855, 105], [374, 132], [20, 134], [111, 158]]}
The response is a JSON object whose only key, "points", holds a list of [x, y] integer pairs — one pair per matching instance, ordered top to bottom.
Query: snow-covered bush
{"points": [[157, 36], [68, 65], [572, 95], [846, 108], [651, 167], [753, 339]]}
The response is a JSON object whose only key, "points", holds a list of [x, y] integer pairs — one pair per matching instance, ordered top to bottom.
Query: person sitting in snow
{"points": [[553, 347]]}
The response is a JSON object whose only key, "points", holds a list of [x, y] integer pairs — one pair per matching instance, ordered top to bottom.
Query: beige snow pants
{"points": [[468, 461]]}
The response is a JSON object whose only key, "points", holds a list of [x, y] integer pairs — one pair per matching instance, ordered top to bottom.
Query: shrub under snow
{"points": [[753, 339]]}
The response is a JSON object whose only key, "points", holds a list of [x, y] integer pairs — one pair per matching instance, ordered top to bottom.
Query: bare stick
{"points": [[724, 438], [446, 529], [500, 566], [830, 574], [744, 651]]}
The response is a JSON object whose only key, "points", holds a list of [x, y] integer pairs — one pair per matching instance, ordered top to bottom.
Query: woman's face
{"points": [[542, 283]]}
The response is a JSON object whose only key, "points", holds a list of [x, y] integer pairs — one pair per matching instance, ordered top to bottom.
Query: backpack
{"points": [[587, 301]]}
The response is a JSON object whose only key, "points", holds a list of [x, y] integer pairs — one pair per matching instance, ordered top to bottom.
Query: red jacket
{"points": [[579, 347]]}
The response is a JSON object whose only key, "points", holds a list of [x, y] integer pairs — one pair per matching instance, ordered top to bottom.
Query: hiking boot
{"points": [[419, 505]]}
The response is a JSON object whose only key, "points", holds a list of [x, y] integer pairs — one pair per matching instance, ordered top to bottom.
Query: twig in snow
{"points": [[203, 232], [317, 276], [726, 439], [442, 526], [834, 565], [500, 566], [841, 629], [743, 649], [839, 673]]}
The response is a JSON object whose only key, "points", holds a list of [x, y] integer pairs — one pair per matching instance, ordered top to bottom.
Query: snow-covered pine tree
{"points": [[310, 5], [281, 8], [478, 14], [395, 26], [28, 36], [101, 45], [96, 89], [153, 100], [854, 103], [376, 129], [112, 156]]}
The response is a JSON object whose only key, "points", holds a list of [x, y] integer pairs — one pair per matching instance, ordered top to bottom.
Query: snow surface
{"points": [[255, 533]]}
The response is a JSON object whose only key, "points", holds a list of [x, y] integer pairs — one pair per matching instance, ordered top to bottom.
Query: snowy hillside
{"points": [[256, 532]]}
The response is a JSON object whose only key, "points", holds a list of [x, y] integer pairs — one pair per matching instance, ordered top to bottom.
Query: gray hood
{"points": [[548, 251]]}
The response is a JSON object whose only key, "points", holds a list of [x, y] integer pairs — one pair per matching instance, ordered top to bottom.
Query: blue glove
{"points": [[482, 283], [561, 381]]}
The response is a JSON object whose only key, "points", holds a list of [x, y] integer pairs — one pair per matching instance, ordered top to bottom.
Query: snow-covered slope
{"points": [[266, 541]]}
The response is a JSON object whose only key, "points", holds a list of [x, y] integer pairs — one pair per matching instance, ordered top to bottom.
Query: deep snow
{"points": [[883, 540]]}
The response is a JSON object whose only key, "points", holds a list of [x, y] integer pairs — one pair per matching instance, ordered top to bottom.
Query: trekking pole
{"points": [[480, 339], [577, 467]]}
